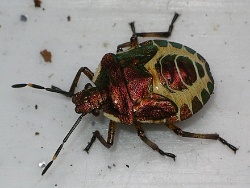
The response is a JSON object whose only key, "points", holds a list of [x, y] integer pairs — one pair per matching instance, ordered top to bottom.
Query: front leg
{"points": [[84, 70], [71, 91], [110, 139]]}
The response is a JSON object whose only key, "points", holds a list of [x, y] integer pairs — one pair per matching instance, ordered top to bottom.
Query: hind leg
{"points": [[182, 133]]}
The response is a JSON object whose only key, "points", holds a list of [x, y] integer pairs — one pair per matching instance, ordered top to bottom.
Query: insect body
{"points": [[156, 81]]}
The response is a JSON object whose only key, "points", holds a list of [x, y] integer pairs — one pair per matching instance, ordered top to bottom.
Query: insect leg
{"points": [[165, 34], [134, 39], [84, 70], [182, 133], [143, 137], [110, 139]]}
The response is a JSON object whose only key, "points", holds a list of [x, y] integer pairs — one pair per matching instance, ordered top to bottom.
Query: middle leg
{"points": [[143, 137]]}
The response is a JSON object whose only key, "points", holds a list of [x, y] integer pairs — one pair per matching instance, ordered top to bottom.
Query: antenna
{"points": [[52, 89], [68, 94], [61, 146]]}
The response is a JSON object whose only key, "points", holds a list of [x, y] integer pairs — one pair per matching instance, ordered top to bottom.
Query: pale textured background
{"points": [[219, 30]]}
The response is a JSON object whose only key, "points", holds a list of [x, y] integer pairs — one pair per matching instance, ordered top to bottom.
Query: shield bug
{"points": [[156, 81]]}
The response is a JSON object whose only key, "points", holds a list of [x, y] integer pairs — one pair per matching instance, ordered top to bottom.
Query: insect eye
{"points": [[88, 86], [95, 112]]}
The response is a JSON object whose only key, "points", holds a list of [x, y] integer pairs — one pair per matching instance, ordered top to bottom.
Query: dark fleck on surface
{"points": [[37, 3], [24, 18], [69, 18], [46, 55], [50, 75], [36, 107], [37, 133], [127, 165], [109, 167]]}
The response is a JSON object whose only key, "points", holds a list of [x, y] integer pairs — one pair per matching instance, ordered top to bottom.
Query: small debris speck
{"points": [[37, 3], [24, 18], [68, 18], [216, 27], [105, 44], [46, 55], [50, 75], [36, 107], [37, 133], [42, 164], [114, 165], [127, 165], [109, 167], [55, 185]]}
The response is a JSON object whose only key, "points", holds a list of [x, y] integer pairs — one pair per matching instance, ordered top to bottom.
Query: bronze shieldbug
{"points": [[156, 81]]}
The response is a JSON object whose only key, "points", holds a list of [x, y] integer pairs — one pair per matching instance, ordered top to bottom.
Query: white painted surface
{"points": [[219, 30]]}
